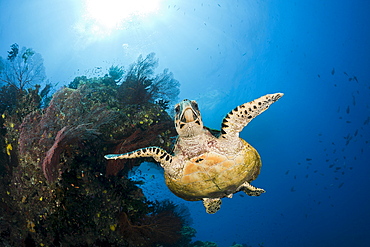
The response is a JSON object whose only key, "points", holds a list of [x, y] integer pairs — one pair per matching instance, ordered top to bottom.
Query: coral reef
{"points": [[140, 85], [57, 190], [161, 228]]}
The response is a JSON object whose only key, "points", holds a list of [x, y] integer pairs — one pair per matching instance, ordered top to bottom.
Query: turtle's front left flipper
{"points": [[238, 118], [157, 153]]}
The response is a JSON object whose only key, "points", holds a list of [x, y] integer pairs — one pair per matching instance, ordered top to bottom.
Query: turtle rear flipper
{"points": [[240, 116], [250, 190], [212, 205]]}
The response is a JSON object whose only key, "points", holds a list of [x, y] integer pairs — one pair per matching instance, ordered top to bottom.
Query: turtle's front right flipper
{"points": [[157, 153]]}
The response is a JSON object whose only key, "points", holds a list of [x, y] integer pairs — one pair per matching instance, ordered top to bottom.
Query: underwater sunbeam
{"points": [[103, 17]]}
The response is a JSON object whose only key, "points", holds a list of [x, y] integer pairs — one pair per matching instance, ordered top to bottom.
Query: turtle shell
{"points": [[215, 175]]}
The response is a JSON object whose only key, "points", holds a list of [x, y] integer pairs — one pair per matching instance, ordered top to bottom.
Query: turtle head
{"points": [[188, 121]]}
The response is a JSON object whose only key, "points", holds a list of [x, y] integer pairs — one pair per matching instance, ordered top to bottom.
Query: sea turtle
{"points": [[203, 166]]}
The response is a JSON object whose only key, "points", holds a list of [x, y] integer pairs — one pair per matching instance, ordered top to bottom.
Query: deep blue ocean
{"points": [[314, 142]]}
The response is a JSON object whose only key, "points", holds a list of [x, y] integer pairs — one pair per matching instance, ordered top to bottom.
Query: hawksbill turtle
{"points": [[203, 166]]}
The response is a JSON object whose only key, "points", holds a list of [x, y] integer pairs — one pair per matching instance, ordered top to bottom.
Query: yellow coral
{"points": [[8, 148], [30, 226], [113, 227]]}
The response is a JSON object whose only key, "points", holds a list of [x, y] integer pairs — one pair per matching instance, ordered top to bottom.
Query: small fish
{"points": [[333, 71], [346, 73], [318, 75], [355, 78], [353, 100], [347, 110], [367, 121], [356, 132], [348, 137], [308, 159], [331, 165], [286, 173], [306, 176], [339, 186], [292, 189]]}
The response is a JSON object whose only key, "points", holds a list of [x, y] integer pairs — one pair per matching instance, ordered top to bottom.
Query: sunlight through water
{"points": [[101, 18]]}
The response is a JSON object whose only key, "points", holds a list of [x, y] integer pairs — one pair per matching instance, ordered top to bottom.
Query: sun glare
{"points": [[105, 16]]}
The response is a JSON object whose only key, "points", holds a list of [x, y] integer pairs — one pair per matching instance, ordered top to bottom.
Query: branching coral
{"points": [[23, 68], [141, 86], [67, 121], [65, 137], [54, 157], [163, 225], [162, 228]]}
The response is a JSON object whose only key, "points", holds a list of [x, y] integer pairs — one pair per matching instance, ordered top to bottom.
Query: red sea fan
{"points": [[67, 121], [66, 136], [161, 228]]}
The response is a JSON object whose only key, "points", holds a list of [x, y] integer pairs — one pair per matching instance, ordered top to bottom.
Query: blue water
{"points": [[314, 142]]}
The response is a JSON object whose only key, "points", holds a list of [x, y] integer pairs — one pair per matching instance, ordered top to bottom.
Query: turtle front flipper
{"points": [[238, 118], [157, 153], [250, 190], [212, 205]]}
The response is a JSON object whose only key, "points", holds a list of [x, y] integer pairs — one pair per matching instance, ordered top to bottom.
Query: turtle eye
{"points": [[195, 105], [177, 108]]}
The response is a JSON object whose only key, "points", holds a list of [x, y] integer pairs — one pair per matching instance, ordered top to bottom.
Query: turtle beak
{"points": [[188, 115]]}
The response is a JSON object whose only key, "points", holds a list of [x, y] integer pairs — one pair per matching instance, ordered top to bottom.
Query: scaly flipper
{"points": [[238, 118], [157, 153], [250, 190], [212, 205]]}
